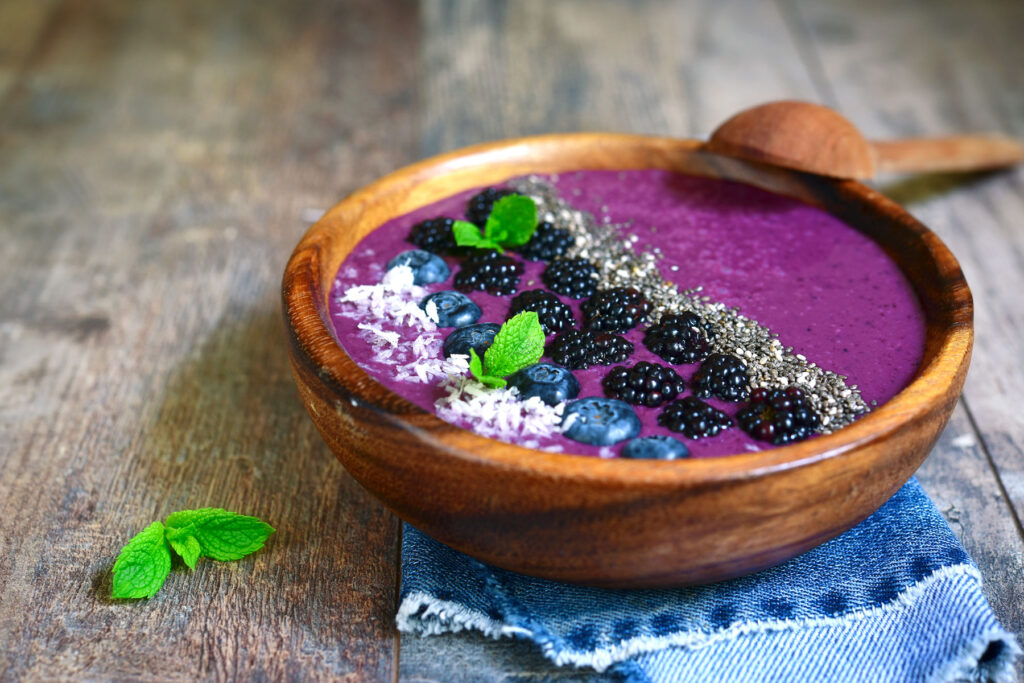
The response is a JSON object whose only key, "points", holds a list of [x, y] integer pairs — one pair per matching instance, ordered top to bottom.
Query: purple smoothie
{"points": [[827, 290]]}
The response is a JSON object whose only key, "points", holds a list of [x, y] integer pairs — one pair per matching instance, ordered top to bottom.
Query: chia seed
{"points": [[619, 264]]}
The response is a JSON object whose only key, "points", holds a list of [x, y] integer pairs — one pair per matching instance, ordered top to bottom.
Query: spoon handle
{"points": [[953, 153]]}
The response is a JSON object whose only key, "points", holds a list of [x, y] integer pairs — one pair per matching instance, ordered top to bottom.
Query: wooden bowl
{"points": [[618, 522]]}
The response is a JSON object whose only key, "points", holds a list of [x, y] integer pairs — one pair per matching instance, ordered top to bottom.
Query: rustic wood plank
{"points": [[24, 27], [494, 71], [959, 73], [197, 140], [160, 160], [959, 479], [473, 658]]}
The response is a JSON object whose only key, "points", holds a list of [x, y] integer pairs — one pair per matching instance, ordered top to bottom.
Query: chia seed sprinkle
{"points": [[619, 264]]}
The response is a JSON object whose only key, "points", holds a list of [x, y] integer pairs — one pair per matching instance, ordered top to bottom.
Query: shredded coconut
{"points": [[394, 300], [497, 413]]}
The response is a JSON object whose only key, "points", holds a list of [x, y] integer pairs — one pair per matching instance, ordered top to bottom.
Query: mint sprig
{"points": [[511, 223], [518, 344], [144, 563]]}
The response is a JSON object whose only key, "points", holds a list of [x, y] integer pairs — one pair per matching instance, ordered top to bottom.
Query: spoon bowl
{"points": [[815, 139]]}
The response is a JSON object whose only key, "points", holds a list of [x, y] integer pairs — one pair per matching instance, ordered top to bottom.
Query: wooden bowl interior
{"points": [[928, 264]]}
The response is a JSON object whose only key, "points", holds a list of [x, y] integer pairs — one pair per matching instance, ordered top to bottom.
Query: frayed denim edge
{"points": [[423, 614], [967, 665]]}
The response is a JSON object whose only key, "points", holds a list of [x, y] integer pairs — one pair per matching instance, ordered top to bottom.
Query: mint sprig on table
{"points": [[511, 223], [518, 344], [144, 563]]}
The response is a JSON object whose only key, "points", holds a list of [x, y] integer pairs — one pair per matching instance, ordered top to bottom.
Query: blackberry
{"points": [[480, 204], [435, 235], [547, 242], [487, 270], [573, 277], [615, 310], [553, 314], [682, 338], [579, 349], [724, 376], [644, 384], [778, 415], [694, 418]]}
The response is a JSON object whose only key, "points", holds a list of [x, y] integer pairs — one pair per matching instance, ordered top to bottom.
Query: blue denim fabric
{"points": [[894, 599]]}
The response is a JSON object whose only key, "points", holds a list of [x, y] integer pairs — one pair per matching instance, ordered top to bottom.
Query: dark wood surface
{"points": [[159, 160]]}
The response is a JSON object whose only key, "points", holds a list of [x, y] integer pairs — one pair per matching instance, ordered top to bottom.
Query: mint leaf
{"points": [[512, 221], [468, 235], [519, 343], [476, 369], [222, 535], [185, 544], [143, 564], [142, 567]]}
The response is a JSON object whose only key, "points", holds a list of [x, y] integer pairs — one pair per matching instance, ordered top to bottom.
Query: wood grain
{"points": [[960, 78], [158, 160]]}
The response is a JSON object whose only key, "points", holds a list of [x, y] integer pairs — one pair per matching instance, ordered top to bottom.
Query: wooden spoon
{"points": [[816, 139]]}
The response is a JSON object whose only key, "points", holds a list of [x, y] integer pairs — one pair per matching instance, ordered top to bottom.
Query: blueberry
{"points": [[426, 267], [454, 309], [478, 337], [550, 383], [600, 421], [655, 448]]}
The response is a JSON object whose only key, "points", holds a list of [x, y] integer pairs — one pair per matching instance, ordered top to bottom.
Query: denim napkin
{"points": [[896, 598]]}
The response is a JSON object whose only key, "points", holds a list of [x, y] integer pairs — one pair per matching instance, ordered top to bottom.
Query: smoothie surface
{"points": [[825, 289]]}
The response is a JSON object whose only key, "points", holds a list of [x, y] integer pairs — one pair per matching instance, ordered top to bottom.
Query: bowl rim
{"points": [[313, 342]]}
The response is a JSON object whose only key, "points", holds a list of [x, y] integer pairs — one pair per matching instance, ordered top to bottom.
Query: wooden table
{"points": [[158, 161]]}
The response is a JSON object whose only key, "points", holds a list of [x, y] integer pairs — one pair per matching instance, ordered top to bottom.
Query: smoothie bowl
{"points": [[800, 341]]}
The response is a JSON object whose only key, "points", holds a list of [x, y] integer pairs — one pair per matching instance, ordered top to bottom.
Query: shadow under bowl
{"points": [[618, 522]]}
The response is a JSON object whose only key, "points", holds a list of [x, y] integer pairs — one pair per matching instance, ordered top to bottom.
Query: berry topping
{"points": [[480, 204], [435, 235], [547, 243], [426, 267], [487, 270], [573, 277], [451, 309], [615, 310], [554, 315], [478, 337], [682, 338], [579, 349], [723, 376], [550, 383], [644, 384], [778, 415], [694, 418], [600, 421], [656, 447]]}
